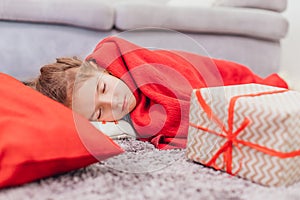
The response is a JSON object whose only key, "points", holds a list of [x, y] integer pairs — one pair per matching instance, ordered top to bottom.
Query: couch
{"points": [[34, 33]]}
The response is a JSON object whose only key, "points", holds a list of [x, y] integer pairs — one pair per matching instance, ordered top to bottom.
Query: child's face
{"points": [[103, 97]]}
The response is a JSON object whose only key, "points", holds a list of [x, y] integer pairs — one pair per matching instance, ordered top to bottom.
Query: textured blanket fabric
{"points": [[162, 82], [144, 172]]}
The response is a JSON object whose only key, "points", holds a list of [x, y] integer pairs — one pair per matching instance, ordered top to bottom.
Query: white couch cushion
{"points": [[206, 3], [274, 5], [89, 13], [223, 20]]}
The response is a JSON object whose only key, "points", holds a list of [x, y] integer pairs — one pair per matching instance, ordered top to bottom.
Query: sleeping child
{"points": [[149, 88]]}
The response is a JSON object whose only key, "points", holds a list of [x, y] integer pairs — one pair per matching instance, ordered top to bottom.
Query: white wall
{"points": [[290, 59]]}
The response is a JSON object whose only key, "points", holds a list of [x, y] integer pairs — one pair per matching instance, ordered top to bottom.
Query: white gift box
{"points": [[251, 130]]}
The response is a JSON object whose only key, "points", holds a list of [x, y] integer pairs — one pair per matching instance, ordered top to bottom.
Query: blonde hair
{"points": [[57, 80]]}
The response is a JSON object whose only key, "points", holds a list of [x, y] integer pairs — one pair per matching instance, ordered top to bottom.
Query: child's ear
{"points": [[94, 64]]}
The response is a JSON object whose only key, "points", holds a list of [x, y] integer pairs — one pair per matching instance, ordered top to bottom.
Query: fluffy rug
{"points": [[144, 172]]}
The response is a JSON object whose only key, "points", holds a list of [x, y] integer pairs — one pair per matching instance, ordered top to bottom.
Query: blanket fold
{"points": [[162, 82]]}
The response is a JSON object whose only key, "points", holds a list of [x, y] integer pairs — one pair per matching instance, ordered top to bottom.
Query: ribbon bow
{"points": [[231, 136]]}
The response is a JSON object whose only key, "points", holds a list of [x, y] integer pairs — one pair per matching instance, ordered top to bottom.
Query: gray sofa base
{"points": [[25, 47]]}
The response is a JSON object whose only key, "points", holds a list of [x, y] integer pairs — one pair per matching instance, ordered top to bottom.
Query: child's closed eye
{"points": [[104, 88], [99, 114]]}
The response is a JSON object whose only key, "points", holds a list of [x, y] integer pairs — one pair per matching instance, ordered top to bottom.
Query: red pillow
{"points": [[40, 137]]}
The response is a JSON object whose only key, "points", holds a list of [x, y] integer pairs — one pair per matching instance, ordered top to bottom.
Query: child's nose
{"points": [[110, 100], [106, 101]]}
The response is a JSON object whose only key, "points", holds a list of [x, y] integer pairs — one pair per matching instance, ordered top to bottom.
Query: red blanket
{"points": [[162, 82]]}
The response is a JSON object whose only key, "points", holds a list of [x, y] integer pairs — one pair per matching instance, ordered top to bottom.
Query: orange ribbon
{"points": [[231, 136]]}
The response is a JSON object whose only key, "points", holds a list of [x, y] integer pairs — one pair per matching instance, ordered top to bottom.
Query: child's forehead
{"points": [[91, 79], [85, 86], [83, 98]]}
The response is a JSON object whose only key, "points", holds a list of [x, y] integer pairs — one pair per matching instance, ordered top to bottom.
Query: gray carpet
{"points": [[144, 172]]}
